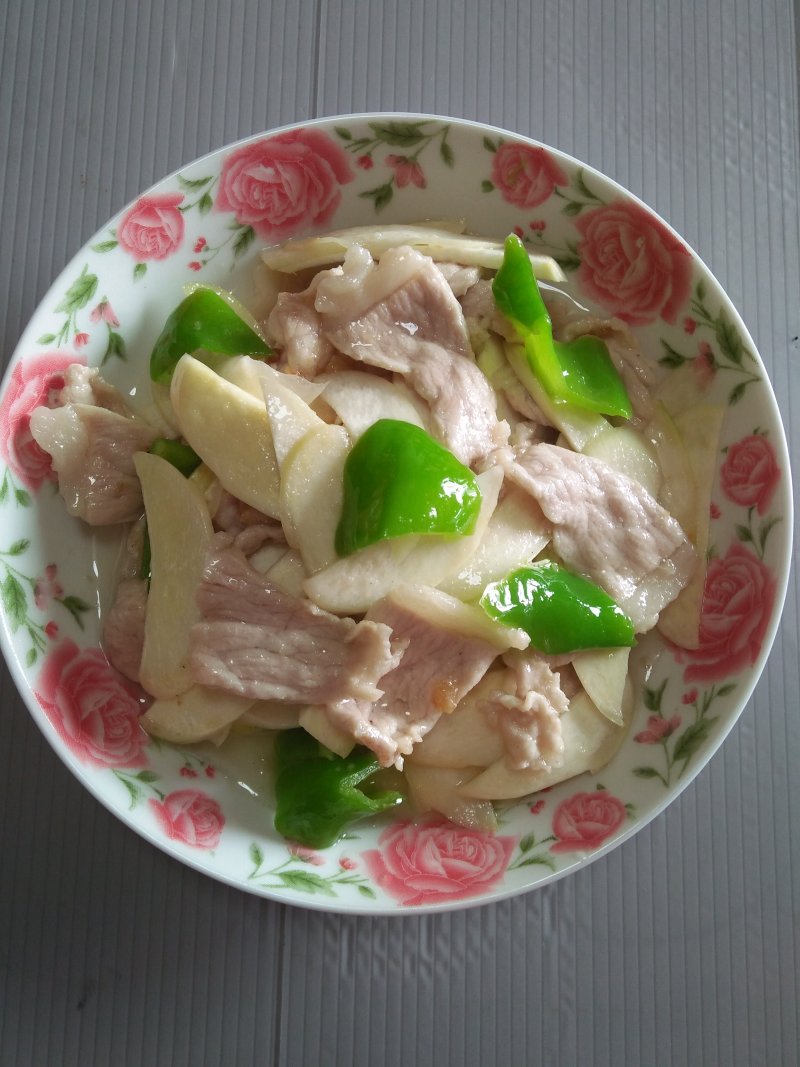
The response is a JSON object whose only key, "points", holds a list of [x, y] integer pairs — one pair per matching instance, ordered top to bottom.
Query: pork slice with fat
{"points": [[401, 315], [608, 527], [255, 640]]}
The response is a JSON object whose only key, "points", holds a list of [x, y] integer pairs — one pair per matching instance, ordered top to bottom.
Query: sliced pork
{"points": [[401, 315], [295, 328], [92, 451], [607, 527], [123, 628], [262, 643], [438, 667], [526, 709]]}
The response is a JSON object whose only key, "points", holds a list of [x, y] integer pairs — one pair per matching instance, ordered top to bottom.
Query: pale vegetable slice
{"points": [[440, 244], [250, 374], [360, 399], [290, 418], [579, 427], [700, 428], [229, 429], [628, 452], [678, 490], [311, 494], [180, 531], [516, 534], [289, 573], [350, 585], [448, 613], [603, 672], [198, 714], [272, 715], [315, 722], [465, 738], [590, 741], [440, 789]]}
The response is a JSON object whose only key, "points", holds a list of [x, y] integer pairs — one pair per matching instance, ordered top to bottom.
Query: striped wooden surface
{"points": [[682, 946]]}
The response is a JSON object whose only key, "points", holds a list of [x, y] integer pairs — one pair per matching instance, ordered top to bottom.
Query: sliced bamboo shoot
{"points": [[229, 429], [180, 530], [198, 714]]}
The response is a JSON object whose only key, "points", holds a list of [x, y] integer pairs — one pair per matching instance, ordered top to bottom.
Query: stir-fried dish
{"points": [[414, 518]]}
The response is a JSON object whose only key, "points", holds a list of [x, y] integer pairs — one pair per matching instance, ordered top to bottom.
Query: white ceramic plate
{"points": [[207, 223]]}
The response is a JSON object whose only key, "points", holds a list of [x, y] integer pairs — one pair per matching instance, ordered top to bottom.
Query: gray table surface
{"points": [[682, 946]]}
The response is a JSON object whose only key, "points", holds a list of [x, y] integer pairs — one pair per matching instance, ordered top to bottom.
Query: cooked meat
{"points": [[400, 315], [295, 328], [92, 450], [607, 527], [123, 629], [260, 642], [438, 667], [527, 710]]}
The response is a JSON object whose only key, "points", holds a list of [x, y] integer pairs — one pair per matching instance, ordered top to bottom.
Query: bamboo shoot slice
{"points": [[180, 531]]}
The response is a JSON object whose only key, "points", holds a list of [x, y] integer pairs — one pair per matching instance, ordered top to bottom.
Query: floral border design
{"points": [[567, 212]]}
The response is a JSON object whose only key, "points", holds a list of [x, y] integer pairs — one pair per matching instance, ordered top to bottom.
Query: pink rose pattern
{"points": [[525, 175], [282, 183], [153, 228], [632, 264], [33, 383], [750, 474], [737, 607], [94, 710], [190, 817], [586, 820], [436, 862]]}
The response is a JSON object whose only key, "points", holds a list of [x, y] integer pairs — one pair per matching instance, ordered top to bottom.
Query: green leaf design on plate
{"points": [[344, 133], [398, 134], [490, 145], [446, 153], [193, 183], [487, 186], [582, 187], [380, 195], [205, 203], [572, 208], [244, 240], [105, 246], [139, 271], [79, 293], [46, 339], [728, 339], [671, 357], [736, 394], [22, 497], [17, 547], [14, 603], [76, 607], [653, 697], [692, 738], [646, 772], [256, 855], [305, 882], [366, 891]]}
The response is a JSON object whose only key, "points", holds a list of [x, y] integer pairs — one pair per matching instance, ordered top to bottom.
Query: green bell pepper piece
{"points": [[204, 319], [580, 372], [182, 456], [398, 480], [559, 610], [317, 792]]}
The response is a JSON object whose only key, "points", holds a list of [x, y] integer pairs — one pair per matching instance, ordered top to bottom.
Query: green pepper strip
{"points": [[203, 320], [577, 372], [184, 458], [398, 480], [559, 610], [317, 792]]}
